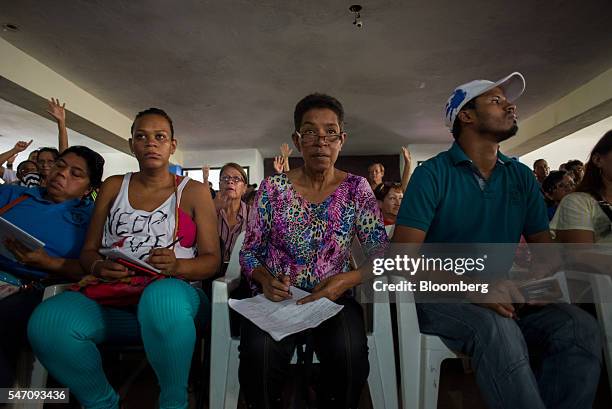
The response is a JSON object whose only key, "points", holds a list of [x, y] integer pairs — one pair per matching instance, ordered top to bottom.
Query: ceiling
{"points": [[230, 72]]}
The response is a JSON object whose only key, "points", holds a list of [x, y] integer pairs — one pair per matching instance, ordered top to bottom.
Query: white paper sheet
{"points": [[280, 319]]}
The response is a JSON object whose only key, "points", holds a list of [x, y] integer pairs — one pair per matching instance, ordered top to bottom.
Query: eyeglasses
{"points": [[309, 137], [227, 179], [565, 186]]}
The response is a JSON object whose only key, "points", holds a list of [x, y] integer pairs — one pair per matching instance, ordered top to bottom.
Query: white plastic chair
{"points": [[601, 285], [421, 356], [38, 377], [224, 386]]}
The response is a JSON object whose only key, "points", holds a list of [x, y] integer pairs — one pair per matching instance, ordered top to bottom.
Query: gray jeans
{"points": [[549, 358]]}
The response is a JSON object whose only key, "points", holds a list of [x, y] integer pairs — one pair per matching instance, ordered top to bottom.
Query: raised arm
{"points": [[58, 112], [285, 153], [5, 156], [407, 168]]}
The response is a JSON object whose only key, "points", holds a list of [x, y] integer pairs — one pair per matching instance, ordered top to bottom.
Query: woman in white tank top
{"points": [[143, 213]]}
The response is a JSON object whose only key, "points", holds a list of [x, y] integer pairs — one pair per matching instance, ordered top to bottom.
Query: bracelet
{"points": [[93, 266]]}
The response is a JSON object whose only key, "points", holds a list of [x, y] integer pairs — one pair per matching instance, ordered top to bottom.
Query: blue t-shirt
{"points": [[449, 200], [61, 226]]}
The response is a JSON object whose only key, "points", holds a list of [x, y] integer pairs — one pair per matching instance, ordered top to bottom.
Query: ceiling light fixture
{"points": [[355, 9], [10, 27]]}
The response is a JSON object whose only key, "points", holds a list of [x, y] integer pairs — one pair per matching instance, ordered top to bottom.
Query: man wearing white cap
{"points": [[472, 193]]}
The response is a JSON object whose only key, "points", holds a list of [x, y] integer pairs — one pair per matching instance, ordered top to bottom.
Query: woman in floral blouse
{"points": [[302, 225]]}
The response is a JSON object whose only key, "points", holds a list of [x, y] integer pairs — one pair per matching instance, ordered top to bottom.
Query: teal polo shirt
{"points": [[449, 200]]}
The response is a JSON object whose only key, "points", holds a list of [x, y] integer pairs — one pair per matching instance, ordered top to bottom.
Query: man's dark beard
{"points": [[507, 134]]}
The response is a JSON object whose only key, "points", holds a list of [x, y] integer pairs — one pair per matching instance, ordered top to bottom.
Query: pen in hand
{"points": [[174, 242], [274, 276]]}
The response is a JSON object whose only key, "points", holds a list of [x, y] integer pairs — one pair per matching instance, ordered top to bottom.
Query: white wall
{"points": [[575, 146], [422, 152], [216, 158], [118, 164]]}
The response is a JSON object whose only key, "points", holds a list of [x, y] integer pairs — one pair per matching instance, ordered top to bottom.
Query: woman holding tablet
{"points": [[140, 213], [57, 215]]}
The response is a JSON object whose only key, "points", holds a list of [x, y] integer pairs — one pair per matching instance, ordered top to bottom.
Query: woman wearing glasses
{"points": [[556, 186], [232, 212], [301, 226]]}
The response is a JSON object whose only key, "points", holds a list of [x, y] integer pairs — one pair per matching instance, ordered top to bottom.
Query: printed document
{"points": [[280, 319]]}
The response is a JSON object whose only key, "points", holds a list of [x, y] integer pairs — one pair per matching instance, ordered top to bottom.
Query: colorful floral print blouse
{"points": [[310, 241]]}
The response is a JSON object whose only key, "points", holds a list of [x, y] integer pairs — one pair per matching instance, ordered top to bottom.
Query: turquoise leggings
{"points": [[65, 329]]}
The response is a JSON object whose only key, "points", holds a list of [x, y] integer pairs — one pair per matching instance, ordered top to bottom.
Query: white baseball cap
{"points": [[513, 86]]}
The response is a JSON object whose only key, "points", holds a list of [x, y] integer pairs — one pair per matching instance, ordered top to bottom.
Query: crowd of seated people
{"points": [[300, 224]]}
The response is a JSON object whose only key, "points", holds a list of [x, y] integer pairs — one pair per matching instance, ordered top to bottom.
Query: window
{"points": [[213, 175]]}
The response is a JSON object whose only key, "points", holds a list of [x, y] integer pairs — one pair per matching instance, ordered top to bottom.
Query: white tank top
{"points": [[138, 231]]}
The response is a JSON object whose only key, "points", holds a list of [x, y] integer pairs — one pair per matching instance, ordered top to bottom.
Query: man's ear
{"points": [[466, 116], [296, 142], [131, 146]]}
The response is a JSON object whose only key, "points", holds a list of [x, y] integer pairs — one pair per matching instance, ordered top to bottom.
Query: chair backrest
{"points": [[390, 229], [233, 268]]}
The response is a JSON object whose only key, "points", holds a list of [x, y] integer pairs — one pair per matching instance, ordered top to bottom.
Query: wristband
{"points": [[93, 266]]}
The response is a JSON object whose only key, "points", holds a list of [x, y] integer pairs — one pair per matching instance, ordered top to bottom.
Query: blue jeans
{"points": [[561, 342]]}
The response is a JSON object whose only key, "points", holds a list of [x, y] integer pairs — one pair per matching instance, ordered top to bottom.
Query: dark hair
{"points": [[317, 100], [153, 111], [456, 131], [52, 151], [94, 161], [536, 162], [22, 164], [377, 164], [571, 164], [238, 168], [550, 181], [592, 182], [381, 191]]}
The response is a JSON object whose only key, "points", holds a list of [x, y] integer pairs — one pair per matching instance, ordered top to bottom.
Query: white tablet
{"points": [[9, 231]]}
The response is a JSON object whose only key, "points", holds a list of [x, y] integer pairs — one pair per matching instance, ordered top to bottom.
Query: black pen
{"points": [[174, 242], [274, 275]]}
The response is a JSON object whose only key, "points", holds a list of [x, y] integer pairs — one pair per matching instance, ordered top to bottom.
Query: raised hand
{"points": [[57, 111], [22, 146], [285, 150], [406, 155], [279, 163], [205, 173]]}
